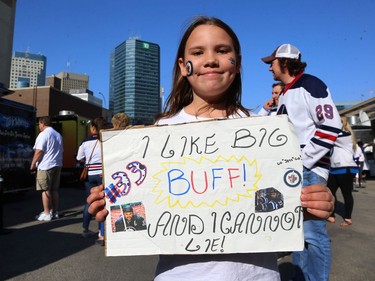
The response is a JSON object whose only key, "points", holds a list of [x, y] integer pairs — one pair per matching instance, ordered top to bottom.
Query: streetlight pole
{"points": [[105, 102]]}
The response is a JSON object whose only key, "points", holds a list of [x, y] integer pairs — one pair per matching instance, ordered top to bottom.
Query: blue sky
{"points": [[336, 38]]}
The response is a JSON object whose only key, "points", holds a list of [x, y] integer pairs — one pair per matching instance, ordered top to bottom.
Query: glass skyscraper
{"points": [[135, 81]]}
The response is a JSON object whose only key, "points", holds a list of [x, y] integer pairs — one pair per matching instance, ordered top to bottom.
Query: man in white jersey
{"points": [[309, 106], [47, 162]]}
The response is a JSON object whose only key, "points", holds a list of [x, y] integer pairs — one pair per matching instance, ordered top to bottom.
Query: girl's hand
{"points": [[318, 201], [96, 203]]}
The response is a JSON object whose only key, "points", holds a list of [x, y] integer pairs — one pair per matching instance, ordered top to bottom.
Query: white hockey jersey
{"points": [[309, 106], [343, 153]]}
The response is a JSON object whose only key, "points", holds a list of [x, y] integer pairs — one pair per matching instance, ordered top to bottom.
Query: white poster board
{"points": [[222, 186]]}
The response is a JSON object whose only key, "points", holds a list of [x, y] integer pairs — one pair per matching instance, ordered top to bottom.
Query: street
{"points": [[56, 250]]}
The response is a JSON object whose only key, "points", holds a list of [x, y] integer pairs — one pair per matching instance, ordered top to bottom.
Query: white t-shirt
{"points": [[183, 117], [50, 142], [91, 147], [361, 158], [221, 267]]}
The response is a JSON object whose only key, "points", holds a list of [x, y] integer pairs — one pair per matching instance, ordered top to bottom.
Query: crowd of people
{"points": [[207, 84], [47, 163]]}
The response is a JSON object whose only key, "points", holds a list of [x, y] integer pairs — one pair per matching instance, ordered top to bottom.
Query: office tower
{"points": [[7, 16], [27, 70], [135, 80], [72, 81]]}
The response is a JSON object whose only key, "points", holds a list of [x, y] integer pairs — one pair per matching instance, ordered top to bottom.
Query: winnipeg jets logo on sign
{"points": [[292, 178]]}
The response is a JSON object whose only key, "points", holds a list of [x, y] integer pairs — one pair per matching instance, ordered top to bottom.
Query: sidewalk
{"points": [[353, 247], [56, 251]]}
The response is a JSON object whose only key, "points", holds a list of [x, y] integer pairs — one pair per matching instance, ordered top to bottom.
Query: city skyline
{"points": [[334, 37]]}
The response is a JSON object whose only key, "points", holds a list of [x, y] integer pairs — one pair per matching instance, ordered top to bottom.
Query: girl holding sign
{"points": [[206, 85]]}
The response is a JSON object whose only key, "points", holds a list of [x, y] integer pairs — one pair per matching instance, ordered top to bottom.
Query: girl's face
{"points": [[215, 63]]}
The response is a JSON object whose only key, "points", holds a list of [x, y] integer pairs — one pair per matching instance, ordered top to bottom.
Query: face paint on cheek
{"points": [[232, 60], [189, 68]]}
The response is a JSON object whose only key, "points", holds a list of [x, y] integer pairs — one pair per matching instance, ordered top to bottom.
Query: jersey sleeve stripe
{"points": [[323, 135], [322, 143]]}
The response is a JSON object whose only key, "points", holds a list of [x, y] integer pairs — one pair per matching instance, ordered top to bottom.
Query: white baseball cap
{"points": [[283, 51]]}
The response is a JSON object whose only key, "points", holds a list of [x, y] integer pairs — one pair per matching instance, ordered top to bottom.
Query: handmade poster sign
{"points": [[222, 186]]}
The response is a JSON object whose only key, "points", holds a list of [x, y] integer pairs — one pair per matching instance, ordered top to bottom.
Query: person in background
{"points": [[206, 85], [308, 103], [270, 106], [120, 121], [90, 152], [369, 156], [360, 158], [47, 162], [343, 170]]}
